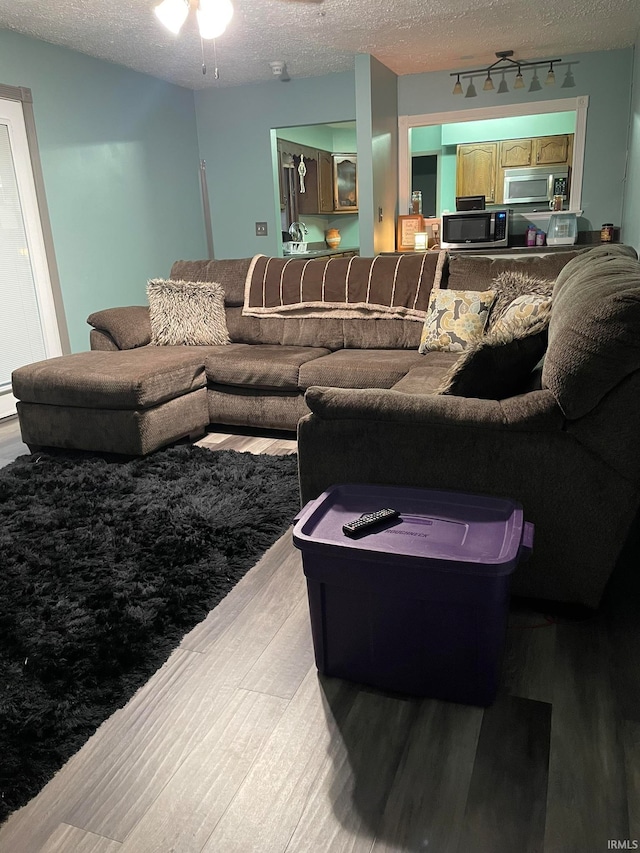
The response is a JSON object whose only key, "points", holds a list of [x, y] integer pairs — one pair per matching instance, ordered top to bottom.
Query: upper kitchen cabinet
{"points": [[552, 150], [537, 151], [516, 152], [476, 165], [480, 165], [313, 181], [345, 183]]}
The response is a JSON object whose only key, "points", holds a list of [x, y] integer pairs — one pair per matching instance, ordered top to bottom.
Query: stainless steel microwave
{"points": [[535, 184], [471, 229]]}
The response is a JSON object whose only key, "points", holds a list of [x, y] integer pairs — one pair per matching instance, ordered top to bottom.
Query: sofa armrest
{"points": [[129, 327], [99, 340], [536, 410], [385, 436], [517, 448]]}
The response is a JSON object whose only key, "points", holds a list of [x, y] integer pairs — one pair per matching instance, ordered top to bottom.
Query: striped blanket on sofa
{"points": [[384, 286]]}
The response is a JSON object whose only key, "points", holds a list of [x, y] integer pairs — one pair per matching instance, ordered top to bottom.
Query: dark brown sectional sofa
{"points": [[125, 396], [361, 397]]}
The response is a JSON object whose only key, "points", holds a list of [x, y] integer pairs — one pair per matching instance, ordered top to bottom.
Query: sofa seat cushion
{"points": [[260, 365], [354, 368], [427, 377], [127, 379]]}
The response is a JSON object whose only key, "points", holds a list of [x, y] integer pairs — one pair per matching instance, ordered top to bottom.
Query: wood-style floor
{"points": [[236, 745]]}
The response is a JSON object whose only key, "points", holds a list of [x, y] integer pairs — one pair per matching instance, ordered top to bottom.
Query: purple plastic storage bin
{"points": [[419, 606]]}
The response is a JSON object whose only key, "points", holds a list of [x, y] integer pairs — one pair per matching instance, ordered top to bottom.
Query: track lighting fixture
{"points": [[504, 63]]}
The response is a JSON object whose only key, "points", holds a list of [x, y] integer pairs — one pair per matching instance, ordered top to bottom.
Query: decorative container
{"points": [[563, 228], [332, 238], [420, 605]]}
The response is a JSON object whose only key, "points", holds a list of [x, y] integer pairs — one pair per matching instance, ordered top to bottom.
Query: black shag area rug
{"points": [[105, 564]]}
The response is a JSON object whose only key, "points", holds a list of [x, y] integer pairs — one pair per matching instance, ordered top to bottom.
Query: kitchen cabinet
{"points": [[552, 150], [537, 151], [516, 152], [476, 165], [480, 165], [330, 181], [325, 182], [345, 183]]}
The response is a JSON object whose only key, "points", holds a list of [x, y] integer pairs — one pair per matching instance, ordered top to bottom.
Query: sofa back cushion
{"points": [[478, 272], [231, 274], [251, 330], [594, 333], [381, 334]]}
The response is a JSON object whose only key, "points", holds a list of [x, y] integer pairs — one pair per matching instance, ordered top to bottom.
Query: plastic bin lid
{"points": [[457, 532]]}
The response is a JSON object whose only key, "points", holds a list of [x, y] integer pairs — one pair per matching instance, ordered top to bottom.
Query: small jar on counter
{"points": [[606, 233], [531, 235], [540, 237]]}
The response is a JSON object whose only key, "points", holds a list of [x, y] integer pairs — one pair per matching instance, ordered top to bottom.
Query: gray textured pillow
{"points": [[186, 312]]}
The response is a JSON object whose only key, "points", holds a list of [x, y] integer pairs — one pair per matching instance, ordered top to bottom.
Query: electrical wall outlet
{"points": [[261, 229]]}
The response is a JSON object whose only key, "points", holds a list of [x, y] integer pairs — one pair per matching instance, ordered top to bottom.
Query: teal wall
{"points": [[605, 76], [514, 127], [234, 132], [121, 170], [631, 220]]}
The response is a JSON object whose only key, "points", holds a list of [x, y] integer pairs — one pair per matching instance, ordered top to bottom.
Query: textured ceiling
{"points": [[316, 37]]}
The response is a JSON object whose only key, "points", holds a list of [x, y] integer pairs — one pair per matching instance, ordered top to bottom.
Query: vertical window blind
{"points": [[21, 337]]}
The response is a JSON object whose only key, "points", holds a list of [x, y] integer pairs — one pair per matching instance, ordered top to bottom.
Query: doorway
{"points": [[407, 123], [424, 177], [30, 325]]}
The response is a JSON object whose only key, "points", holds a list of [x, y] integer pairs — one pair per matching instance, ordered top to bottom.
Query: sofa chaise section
{"points": [[128, 402]]}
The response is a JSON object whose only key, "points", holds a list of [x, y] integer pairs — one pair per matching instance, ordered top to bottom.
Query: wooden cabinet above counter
{"points": [[480, 165], [329, 180]]}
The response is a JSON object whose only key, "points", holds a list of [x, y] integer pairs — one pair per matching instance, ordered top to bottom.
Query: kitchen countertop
{"points": [[325, 252]]}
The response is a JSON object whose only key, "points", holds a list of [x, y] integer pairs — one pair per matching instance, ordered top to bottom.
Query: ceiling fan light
{"points": [[172, 14], [213, 17], [551, 77], [519, 82], [488, 84], [457, 89]]}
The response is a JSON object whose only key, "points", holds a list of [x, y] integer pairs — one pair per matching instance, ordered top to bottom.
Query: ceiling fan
{"points": [[213, 15], [213, 18]]}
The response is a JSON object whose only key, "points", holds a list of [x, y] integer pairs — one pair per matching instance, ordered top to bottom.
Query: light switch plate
{"points": [[261, 229]]}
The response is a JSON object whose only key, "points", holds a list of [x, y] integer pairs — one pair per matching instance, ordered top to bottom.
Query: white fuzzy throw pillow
{"points": [[187, 312]]}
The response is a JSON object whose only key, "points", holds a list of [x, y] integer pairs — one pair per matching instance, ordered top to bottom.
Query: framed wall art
{"points": [[407, 227]]}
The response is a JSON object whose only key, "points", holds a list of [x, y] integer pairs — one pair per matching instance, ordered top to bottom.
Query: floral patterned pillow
{"points": [[524, 309], [454, 319]]}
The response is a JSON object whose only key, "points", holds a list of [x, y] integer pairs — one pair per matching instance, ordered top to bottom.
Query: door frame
{"points": [[578, 105], [45, 269]]}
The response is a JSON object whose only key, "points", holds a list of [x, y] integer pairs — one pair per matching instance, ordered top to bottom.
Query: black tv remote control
{"points": [[368, 520]]}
